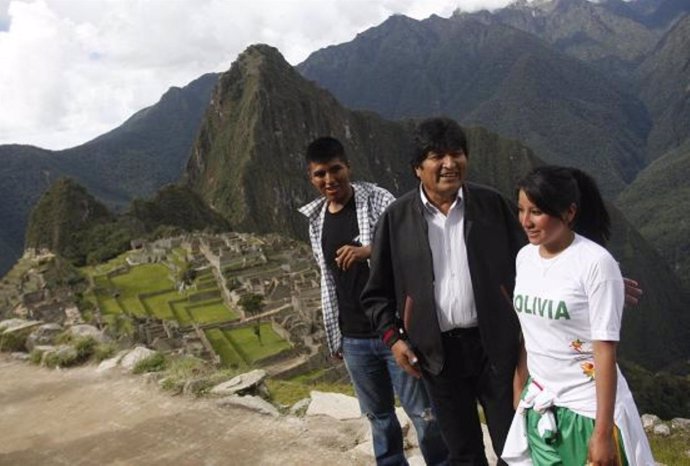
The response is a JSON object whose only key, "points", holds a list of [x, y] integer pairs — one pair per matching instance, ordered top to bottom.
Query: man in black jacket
{"points": [[440, 288]]}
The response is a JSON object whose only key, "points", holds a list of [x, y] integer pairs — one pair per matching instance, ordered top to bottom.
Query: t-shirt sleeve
{"points": [[606, 296]]}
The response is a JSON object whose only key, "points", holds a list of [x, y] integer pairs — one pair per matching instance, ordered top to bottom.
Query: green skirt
{"points": [[568, 446]]}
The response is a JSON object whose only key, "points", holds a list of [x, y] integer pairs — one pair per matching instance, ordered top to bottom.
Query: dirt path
{"points": [[81, 417]]}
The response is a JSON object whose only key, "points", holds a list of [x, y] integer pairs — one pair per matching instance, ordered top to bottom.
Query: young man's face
{"points": [[332, 179]]}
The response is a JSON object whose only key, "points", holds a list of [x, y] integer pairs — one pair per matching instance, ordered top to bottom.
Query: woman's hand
{"points": [[602, 450]]}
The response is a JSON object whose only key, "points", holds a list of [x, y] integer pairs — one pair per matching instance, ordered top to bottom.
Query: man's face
{"points": [[442, 174], [332, 179]]}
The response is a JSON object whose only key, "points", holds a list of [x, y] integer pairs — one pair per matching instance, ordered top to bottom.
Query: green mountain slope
{"points": [[664, 82], [657, 203], [178, 207], [62, 217], [656, 333]]}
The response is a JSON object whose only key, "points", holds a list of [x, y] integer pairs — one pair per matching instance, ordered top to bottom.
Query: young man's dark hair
{"points": [[440, 135], [324, 150]]}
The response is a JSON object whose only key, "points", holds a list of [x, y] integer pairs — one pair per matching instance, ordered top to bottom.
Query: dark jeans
{"points": [[376, 376], [468, 378]]}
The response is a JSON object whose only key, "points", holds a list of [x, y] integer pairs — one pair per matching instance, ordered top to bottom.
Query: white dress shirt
{"points": [[455, 306]]}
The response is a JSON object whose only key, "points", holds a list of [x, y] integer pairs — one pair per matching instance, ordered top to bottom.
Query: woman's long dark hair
{"points": [[554, 189]]}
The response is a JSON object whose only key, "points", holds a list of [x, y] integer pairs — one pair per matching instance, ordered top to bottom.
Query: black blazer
{"points": [[400, 290]]}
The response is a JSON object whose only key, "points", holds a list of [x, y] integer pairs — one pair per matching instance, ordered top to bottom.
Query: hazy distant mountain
{"points": [[613, 35], [496, 76], [146, 152]]}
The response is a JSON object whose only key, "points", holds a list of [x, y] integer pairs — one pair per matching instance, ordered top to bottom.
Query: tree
{"points": [[253, 304]]}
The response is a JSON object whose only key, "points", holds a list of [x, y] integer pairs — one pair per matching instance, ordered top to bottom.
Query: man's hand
{"points": [[349, 254], [633, 292], [406, 358]]}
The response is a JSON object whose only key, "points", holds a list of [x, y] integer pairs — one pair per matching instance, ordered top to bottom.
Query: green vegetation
{"points": [[657, 202], [177, 206], [61, 219], [143, 278], [147, 290], [158, 304], [213, 311], [14, 341], [85, 347], [251, 347], [225, 349], [104, 351], [36, 356], [62, 357], [156, 362], [197, 373], [289, 392], [664, 394], [671, 450]]}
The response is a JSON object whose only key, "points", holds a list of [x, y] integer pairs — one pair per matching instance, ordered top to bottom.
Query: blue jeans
{"points": [[375, 375]]}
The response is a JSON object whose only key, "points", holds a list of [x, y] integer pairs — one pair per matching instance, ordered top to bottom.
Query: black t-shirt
{"points": [[340, 229]]}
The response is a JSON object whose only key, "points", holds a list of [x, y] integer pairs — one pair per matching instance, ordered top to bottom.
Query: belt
{"points": [[460, 332]]}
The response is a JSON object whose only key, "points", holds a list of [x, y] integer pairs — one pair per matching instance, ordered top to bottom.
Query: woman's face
{"points": [[542, 229]]}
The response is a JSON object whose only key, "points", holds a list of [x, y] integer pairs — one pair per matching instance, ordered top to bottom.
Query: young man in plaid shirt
{"points": [[341, 227]]}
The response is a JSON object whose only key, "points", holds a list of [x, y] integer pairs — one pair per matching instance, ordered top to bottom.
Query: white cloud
{"points": [[74, 69]]}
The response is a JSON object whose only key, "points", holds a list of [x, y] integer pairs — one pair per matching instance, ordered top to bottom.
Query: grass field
{"points": [[146, 278], [147, 289], [158, 304], [178, 308], [213, 311], [248, 344], [224, 348]]}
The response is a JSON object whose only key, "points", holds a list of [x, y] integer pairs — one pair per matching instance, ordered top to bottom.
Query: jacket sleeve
{"points": [[379, 297]]}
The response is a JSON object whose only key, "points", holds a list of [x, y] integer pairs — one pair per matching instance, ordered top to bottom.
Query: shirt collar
{"points": [[431, 208]]}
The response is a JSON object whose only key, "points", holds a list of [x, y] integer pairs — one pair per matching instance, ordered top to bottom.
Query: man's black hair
{"points": [[440, 135], [325, 149]]}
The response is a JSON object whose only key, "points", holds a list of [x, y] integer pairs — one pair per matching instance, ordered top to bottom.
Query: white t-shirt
{"points": [[564, 303]]}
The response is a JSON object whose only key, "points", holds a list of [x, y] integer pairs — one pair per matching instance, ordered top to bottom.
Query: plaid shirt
{"points": [[370, 202]]}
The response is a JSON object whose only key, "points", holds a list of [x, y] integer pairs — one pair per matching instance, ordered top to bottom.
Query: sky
{"points": [[71, 70]]}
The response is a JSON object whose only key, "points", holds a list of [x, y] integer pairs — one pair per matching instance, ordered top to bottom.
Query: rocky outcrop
{"points": [[88, 331], [43, 335], [249, 382], [254, 403]]}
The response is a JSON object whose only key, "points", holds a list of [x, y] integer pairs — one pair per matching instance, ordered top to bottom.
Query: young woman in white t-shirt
{"points": [[576, 407]]}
